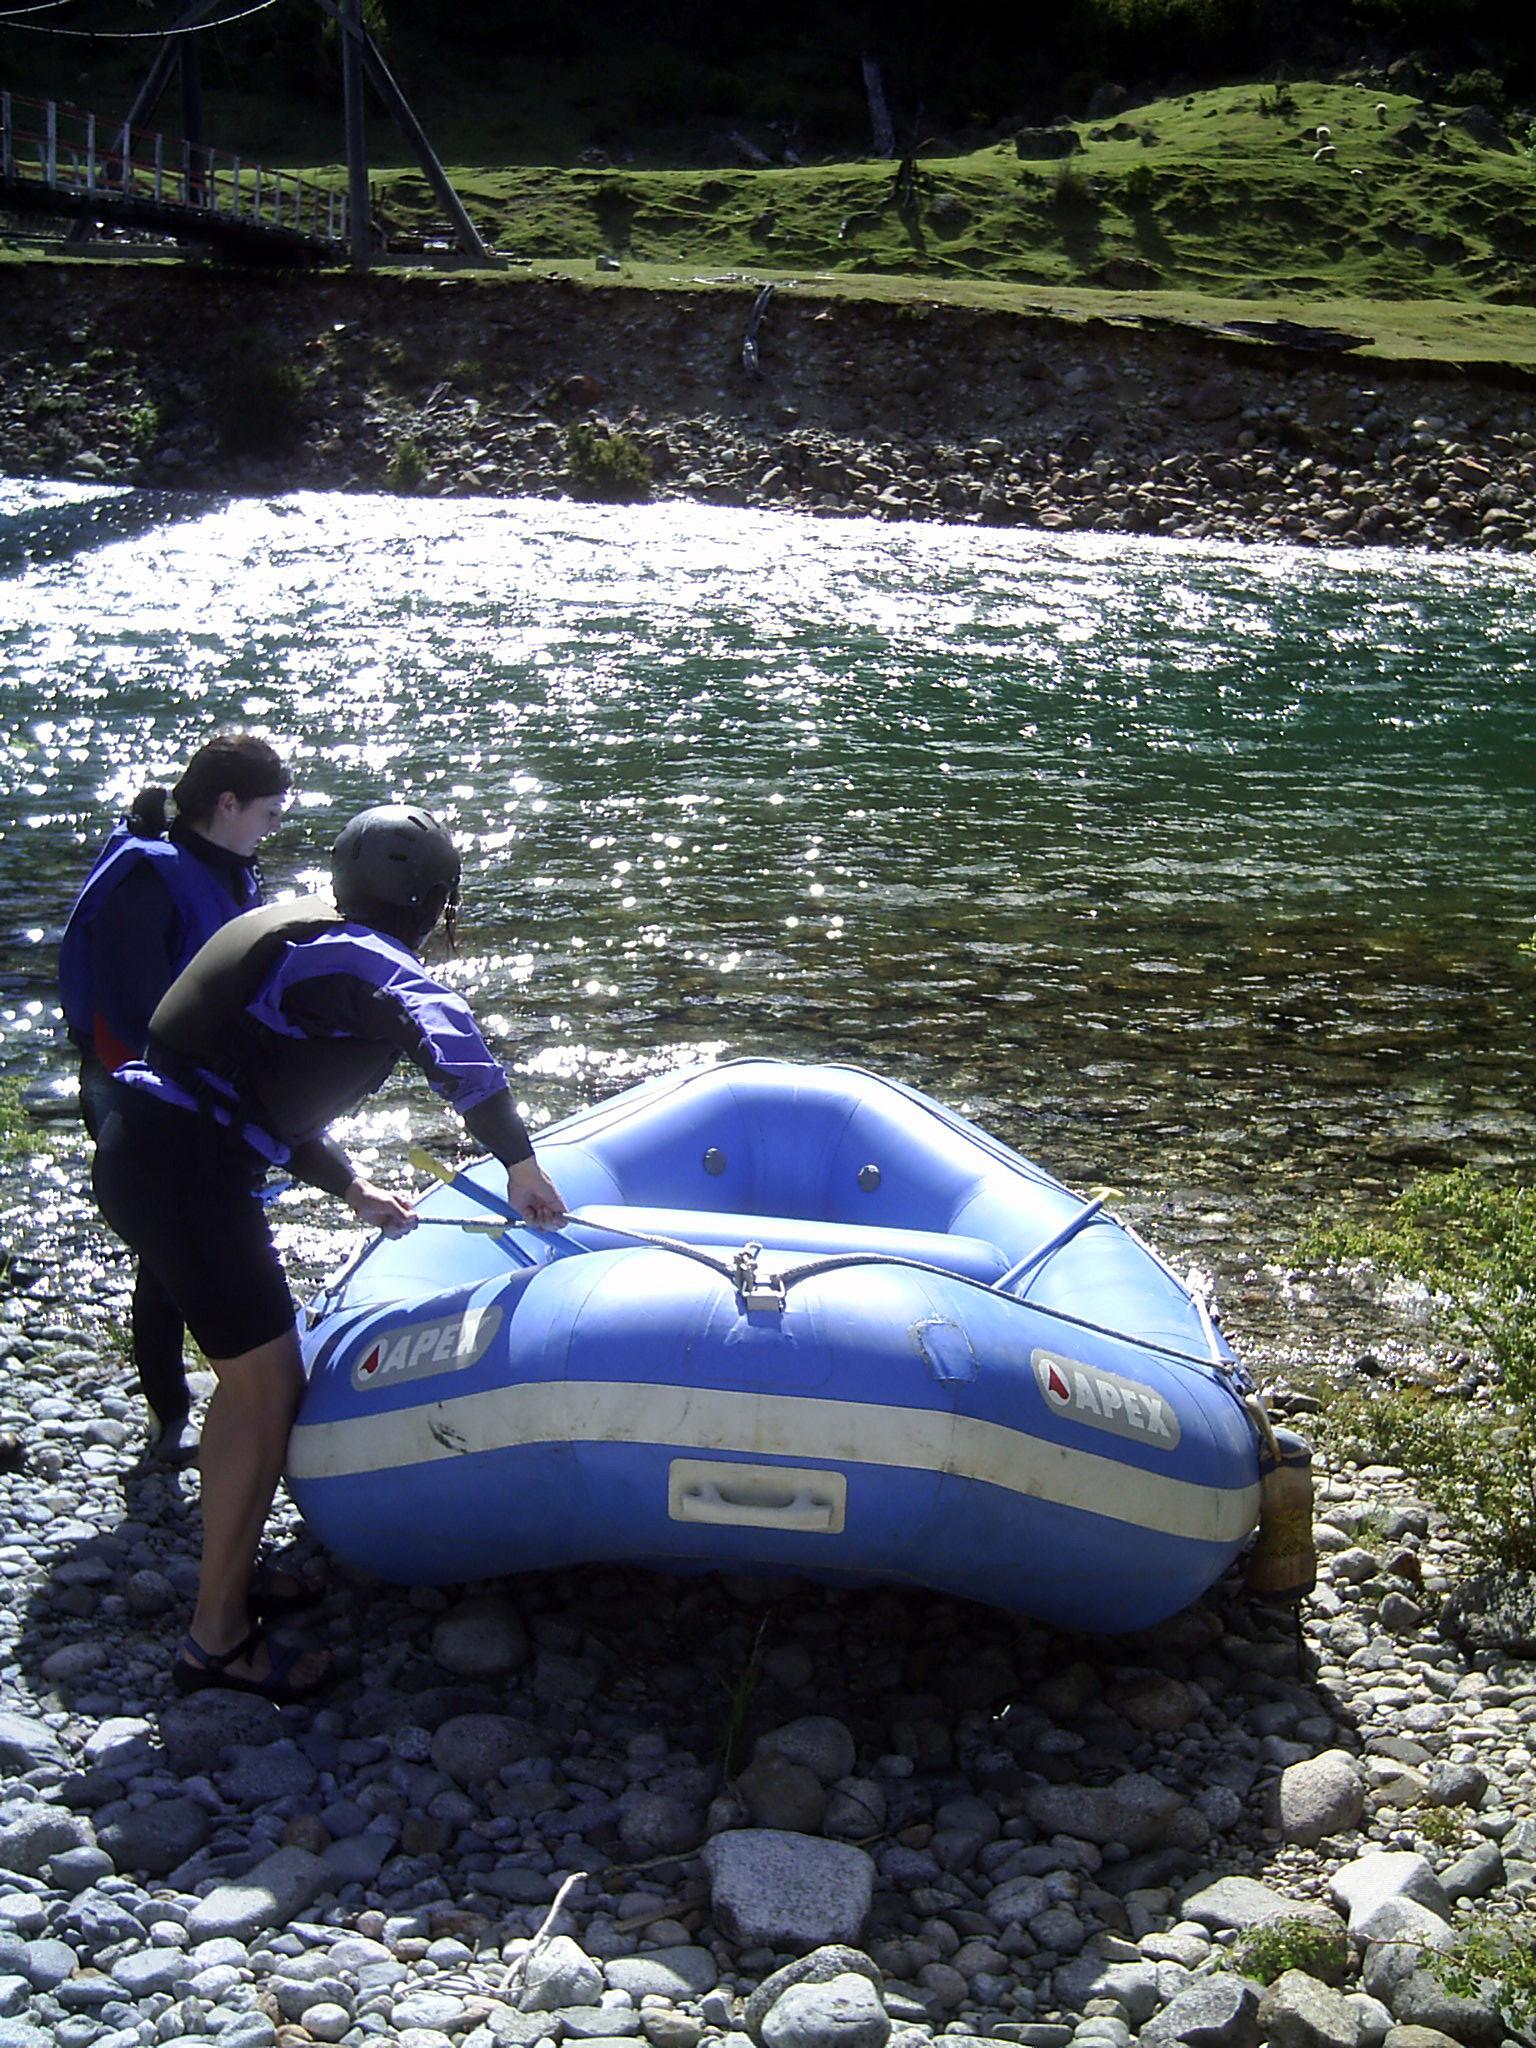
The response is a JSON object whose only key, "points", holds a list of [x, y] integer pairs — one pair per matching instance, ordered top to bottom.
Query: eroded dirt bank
{"points": [[207, 379]]}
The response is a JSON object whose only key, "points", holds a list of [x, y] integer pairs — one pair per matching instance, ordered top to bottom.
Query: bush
{"points": [[1477, 88], [1138, 188], [1070, 189], [258, 399], [143, 424], [407, 466], [611, 466], [18, 1135], [1471, 1241], [1267, 1952], [1497, 1960]]}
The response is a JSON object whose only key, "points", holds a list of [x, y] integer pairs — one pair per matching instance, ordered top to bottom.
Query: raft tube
{"points": [[871, 1344]]}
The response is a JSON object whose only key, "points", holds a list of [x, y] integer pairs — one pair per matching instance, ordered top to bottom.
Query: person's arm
{"points": [[368, 988], [496, 1125], [323, 1164]]}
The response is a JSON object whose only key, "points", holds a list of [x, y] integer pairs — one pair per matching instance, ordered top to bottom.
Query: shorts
{"points": [[185, 1195]]}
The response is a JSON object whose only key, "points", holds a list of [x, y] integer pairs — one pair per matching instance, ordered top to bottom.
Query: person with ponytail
{"points": [[158, 889], [286, 1021]]}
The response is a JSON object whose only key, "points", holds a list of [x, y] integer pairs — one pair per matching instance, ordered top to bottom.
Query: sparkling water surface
{"points": [[1201, 872]]}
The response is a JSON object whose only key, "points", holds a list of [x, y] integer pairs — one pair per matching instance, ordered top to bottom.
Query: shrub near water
{"points": [[258, 399], [611, 466], [17, 1135], [1471, 1241], [1497, 1961]]}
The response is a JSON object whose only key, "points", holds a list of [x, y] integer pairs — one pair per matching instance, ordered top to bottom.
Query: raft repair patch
{"points": [[414, 1351], [1103, 1400]]}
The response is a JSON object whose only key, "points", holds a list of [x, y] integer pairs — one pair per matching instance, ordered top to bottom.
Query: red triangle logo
{"points": [[371, 1363], [1056, 1386]]}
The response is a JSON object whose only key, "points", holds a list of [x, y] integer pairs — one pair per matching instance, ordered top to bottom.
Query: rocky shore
{"points": [[186, 380], [770, 1816]]}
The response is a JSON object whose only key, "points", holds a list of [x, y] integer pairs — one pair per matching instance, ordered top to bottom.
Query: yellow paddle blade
{"points": [[424, 1162]]}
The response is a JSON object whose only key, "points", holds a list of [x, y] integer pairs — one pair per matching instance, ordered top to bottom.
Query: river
{"points": [[1198, 871]]}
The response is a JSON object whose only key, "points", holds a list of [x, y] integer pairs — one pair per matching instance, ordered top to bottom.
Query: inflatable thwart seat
{"points": [[802, 1320]]}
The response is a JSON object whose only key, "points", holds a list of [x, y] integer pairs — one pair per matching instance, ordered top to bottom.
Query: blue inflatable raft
{"points": [[805, 1321]]}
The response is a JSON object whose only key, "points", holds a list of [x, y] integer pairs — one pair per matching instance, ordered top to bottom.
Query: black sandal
{"points": [[210, 1670]]}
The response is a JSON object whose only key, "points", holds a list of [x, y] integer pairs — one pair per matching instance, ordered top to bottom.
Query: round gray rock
{"points": [[480, 1639], [818, 1741], [473, 1747], [1323, 1796], [154, 1840], [771, 1889], [821, 1966], [844, 2012], [1298, 2012]]}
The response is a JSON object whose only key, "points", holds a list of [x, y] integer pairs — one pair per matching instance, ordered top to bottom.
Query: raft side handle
{"points": [[1052, 1245], [559, 1246], [721, 1493]]}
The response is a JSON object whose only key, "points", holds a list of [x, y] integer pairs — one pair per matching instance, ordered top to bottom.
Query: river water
{"points": [[1196, 871]]}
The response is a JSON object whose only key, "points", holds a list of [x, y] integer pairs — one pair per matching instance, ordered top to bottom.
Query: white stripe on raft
{"points": [[774, 1426]]}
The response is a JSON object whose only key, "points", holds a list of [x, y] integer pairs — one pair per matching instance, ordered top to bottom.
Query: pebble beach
{"points": [[446, 388], [602, 1807], [769, 1816]]}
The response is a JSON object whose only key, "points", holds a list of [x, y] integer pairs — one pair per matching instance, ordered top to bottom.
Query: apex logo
{"points": [[413, 1351], [1103, 1400]]}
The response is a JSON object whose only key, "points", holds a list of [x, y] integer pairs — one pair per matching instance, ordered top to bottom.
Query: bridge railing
{"points": [[53, 145]]}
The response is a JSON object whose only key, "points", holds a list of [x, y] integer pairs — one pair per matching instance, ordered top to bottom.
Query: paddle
{"points": [[424, 1161]]}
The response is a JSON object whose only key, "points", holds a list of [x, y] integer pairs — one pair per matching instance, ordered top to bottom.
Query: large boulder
{"points": [[1042, 144], [1322, 1796], [1136, 1810], [1372, 1880], [280, 1888], [774, 1889], [821, 1966], [1219, 2011], [844, 2012], [1299, 2012]]}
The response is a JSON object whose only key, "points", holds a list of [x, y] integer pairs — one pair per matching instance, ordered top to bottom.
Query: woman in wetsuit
{"points": [[156, 891], [282, 1023]]}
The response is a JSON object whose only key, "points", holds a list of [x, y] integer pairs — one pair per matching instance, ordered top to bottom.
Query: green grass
{"points": [[1204, 194], [1206, 208], [1202, 210]]}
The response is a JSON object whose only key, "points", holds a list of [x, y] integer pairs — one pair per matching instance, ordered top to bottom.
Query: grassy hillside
{"points": [[1220, 192], [1415, 227]]}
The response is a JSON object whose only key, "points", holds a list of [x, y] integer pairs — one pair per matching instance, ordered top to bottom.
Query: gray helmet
{"points": [[394, 854]]}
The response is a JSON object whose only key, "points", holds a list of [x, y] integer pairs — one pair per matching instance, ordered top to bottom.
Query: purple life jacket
{"points": [[199, 893]]}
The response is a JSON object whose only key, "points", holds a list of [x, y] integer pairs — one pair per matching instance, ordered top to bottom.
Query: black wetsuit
{"points": [[144, 911], [281, 1024]]}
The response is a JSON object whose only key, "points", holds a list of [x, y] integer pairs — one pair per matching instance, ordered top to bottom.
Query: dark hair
{"points": [[237, 761]]}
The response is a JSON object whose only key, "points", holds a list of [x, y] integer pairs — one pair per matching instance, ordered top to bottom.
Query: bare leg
{"points": [[245, 1440]]}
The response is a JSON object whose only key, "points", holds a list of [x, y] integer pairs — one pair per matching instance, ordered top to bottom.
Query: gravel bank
{"points": [[453, 386], [804, 1818]]}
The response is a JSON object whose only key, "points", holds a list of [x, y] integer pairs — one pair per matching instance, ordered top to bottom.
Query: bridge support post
{"points": [[354, 112], [192, 119]]}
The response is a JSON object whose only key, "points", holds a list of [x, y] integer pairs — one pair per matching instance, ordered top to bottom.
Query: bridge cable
{"points": [[129, 35]]}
